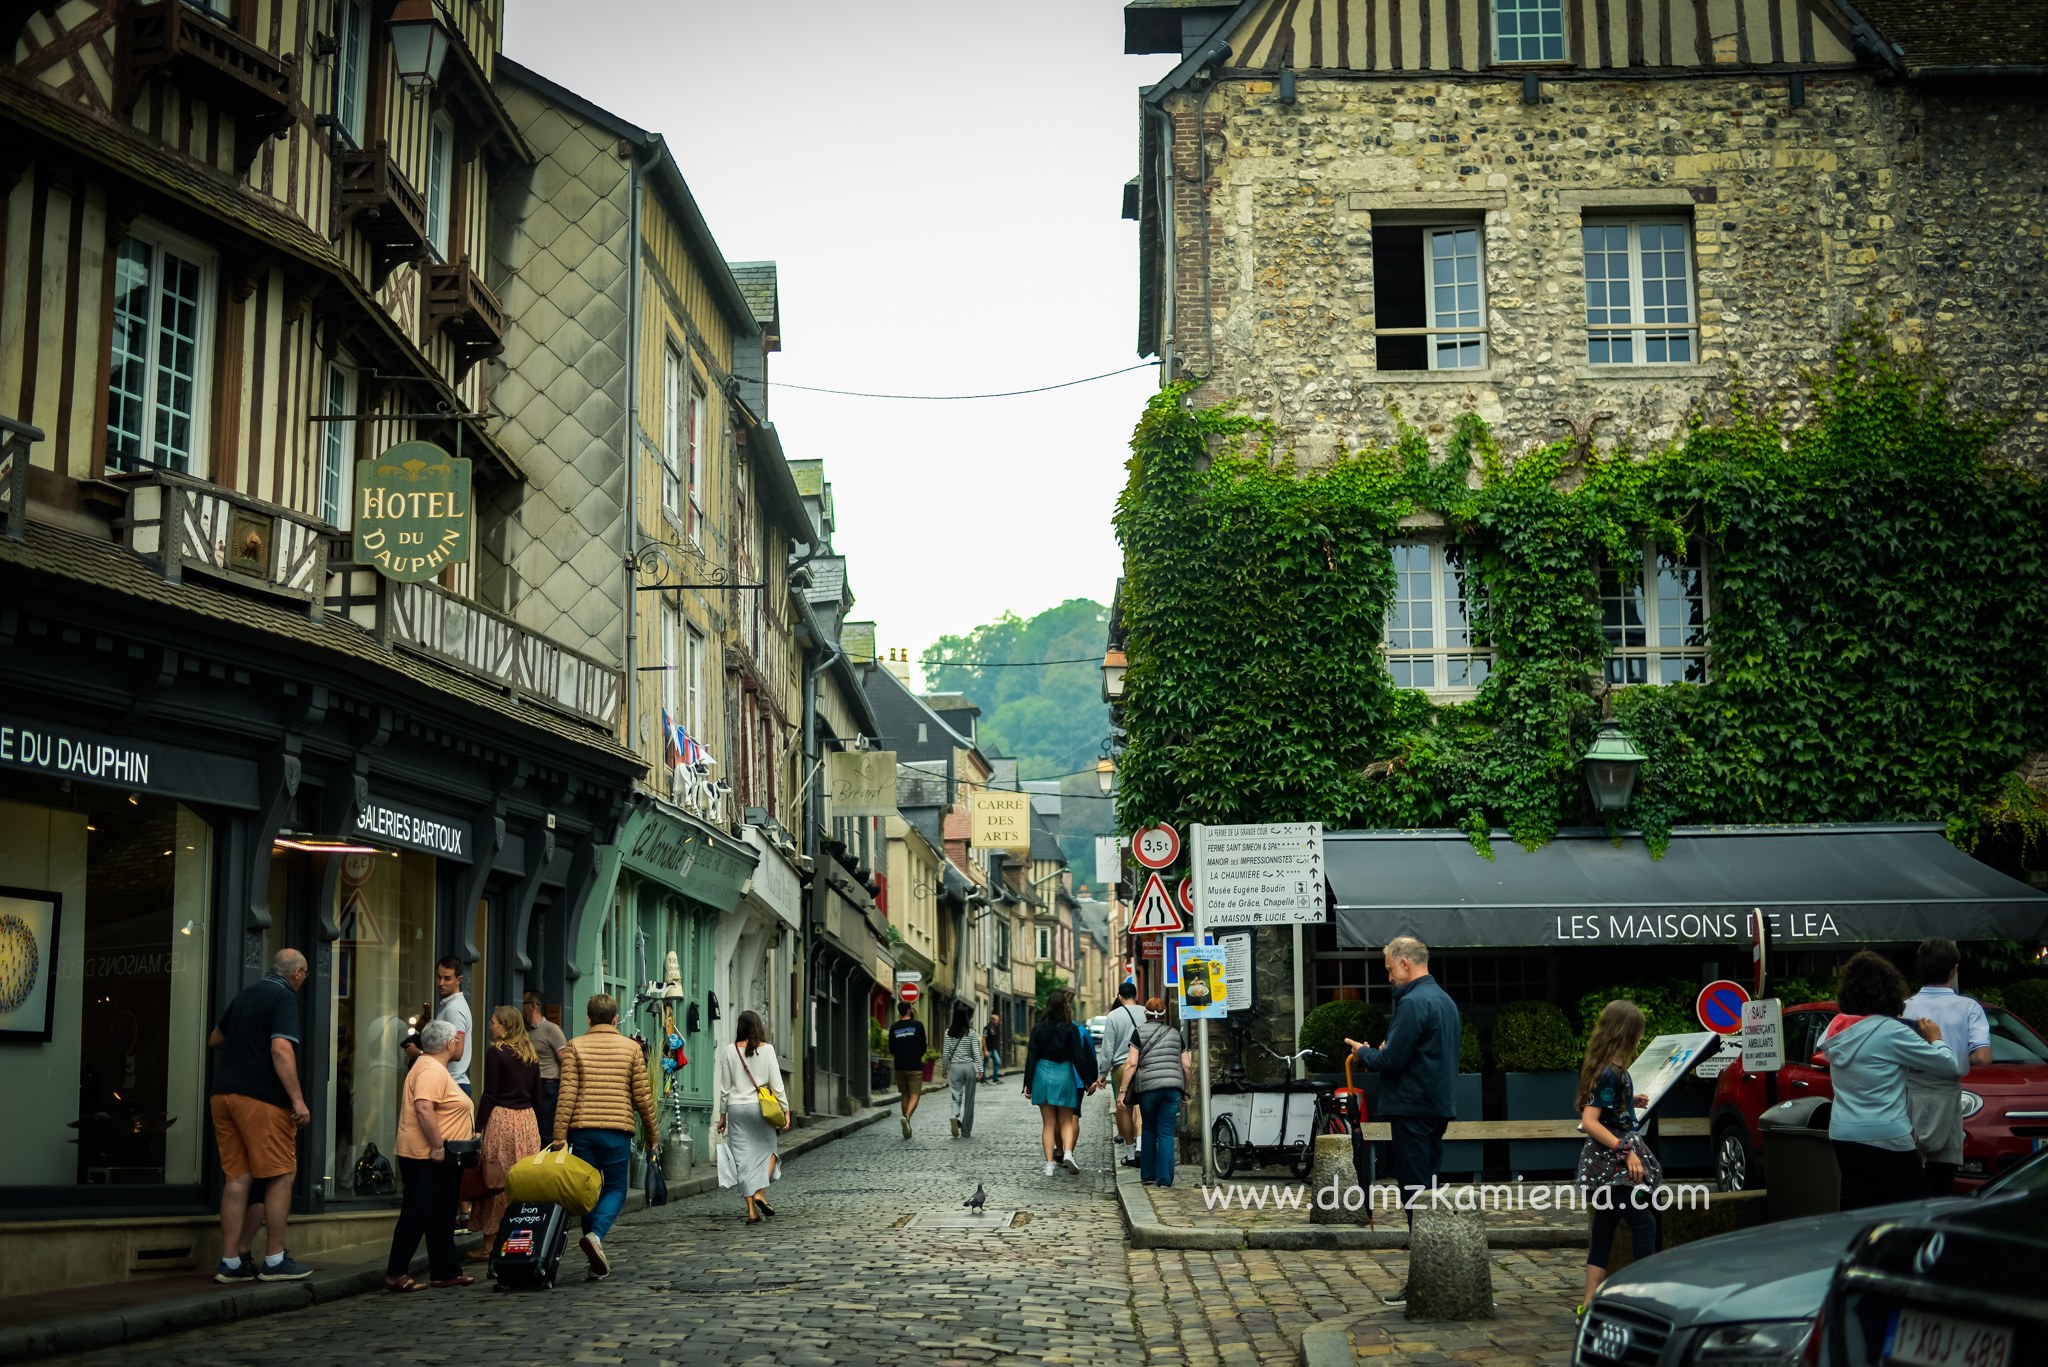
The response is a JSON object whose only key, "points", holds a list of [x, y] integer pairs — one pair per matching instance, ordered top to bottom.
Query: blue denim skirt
{"points": [[1053, 1085]]}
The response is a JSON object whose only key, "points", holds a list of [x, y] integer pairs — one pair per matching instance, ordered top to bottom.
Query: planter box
{"points": [[928, 1069], [1543, 1096], [1463, 1158]]}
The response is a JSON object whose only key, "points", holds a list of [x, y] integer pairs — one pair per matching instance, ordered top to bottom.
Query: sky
{"points": [[940, 182]]}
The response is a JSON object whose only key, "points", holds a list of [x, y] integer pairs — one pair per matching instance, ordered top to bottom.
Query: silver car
{"points": [[1746, 1299]]}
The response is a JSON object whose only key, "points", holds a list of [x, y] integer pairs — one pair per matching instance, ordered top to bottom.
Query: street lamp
{"points": [[419, 43], [1113, 666], [1611, 763], [1105, 774]]}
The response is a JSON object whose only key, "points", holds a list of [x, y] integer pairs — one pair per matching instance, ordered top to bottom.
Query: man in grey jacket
{"points": [[1418, 1063]]}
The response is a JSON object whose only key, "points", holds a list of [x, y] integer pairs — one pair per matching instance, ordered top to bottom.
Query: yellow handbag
{"points": [[771, 1105], [554, 1177]]}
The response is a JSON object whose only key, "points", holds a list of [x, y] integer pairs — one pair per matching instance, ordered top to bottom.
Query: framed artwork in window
{"points": [[28, 963]]}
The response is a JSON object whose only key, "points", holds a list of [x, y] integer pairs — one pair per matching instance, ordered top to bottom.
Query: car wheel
{"points": [[1735, 1162]]}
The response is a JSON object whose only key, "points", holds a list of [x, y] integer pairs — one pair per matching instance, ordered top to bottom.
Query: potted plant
{"points": [[1327, 1027], [1534, 1046], [878, 1057], [931, 1060]]}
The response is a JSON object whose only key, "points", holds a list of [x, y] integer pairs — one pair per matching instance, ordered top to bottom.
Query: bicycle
{"points": [[1259, 1124]]}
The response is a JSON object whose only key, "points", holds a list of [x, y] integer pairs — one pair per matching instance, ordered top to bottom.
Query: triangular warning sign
{"points": [[1156, 912]]}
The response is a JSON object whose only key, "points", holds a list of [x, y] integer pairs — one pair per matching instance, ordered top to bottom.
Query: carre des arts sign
{"points": [[412, 511]]}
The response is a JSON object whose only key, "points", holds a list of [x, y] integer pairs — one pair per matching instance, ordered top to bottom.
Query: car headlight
{"points": [[1972, 1103], [1769, 1341]]}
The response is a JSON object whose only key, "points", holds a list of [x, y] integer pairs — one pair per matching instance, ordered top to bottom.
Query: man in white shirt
{"points": [[454, 1008], [1124, 1020], [1937, 1108]]}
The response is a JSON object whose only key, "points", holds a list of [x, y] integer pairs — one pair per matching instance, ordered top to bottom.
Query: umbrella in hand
{"points": [[976, 1201]]}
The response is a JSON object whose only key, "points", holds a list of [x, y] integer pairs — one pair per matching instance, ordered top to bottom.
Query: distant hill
{"points": [[1049, 717]]}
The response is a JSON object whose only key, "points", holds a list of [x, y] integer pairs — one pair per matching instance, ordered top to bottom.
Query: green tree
{"points": [[1050, 718]]}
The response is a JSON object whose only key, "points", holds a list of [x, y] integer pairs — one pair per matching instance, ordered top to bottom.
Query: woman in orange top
{"points": [[433, 1112]]}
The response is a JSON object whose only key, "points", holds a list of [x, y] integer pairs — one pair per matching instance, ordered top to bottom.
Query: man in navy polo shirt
{"points": [[258, 1111]]}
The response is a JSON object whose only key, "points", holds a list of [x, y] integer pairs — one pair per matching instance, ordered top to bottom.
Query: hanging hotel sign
{"points": [[412, 512]]}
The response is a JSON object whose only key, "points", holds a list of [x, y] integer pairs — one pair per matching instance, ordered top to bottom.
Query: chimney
{"points": [[899, 665]]}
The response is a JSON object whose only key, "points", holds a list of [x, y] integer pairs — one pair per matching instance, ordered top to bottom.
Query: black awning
{"points": [[1820, 885]]}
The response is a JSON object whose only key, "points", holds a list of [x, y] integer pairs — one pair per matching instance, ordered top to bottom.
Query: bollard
{"points": [[1334, 1196], [1450, 1276]]}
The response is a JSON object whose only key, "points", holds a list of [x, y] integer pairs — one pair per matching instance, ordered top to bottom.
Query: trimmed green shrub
{"points": [[1798, 991], [1990, 996], [2029, 1001], [1667, 1010], [1327, 1027], [1533, 1037], [1471, 1058]]}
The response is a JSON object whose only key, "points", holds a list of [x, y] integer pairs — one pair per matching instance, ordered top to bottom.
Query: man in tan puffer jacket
{"points": [[604, 1083]]}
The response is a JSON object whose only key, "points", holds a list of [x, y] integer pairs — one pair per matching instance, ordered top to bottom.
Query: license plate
{"points": [[1921, 1340]]}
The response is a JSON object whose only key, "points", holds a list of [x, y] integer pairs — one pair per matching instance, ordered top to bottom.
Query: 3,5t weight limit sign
{"points": [[1156, 847]]}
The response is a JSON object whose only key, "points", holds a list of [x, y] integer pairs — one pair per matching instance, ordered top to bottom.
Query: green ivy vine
{"points": [[1878, 636]]}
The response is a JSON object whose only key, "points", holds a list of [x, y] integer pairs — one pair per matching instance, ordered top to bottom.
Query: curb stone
{"points": [[1143, 1230], [98, 1329]]}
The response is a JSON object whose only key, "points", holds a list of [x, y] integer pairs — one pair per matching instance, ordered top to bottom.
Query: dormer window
{"points": [[1528, 30]]}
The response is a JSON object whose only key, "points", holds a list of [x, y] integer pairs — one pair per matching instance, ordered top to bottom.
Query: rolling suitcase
{"points": [[531, 1240]]}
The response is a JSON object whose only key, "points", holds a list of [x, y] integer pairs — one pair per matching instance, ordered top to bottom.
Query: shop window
{"points": [[1528, 30], [1638, 293], [1429, 297], [157, 352], [1653, 614], [1429, 639], [105, 924], [383, 985]]}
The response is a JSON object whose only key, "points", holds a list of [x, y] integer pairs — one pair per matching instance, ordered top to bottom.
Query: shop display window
{"points": [[105, 922]]}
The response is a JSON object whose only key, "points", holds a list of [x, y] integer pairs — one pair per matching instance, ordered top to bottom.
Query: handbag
{"points": [[771, 1105], [464, 1153], [1600, 1166], [555, 1177], [657, 1184]]}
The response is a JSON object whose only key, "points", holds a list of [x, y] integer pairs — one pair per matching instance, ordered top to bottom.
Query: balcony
{"points": [[209, 60], [373, 196], [459, 305], [184, 525]]}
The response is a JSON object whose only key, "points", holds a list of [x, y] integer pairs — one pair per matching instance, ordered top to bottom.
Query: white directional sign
{"points": [[1109, 856], [1265, 875], [1154, 913], [1763, 1036]]}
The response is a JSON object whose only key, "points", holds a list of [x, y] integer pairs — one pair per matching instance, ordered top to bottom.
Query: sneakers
{"points": [[904, 1120], [956, 1128], [1068, 1159], [1051, 1168], [593, 1249], [283, 1270], [229, 1276], [1398, 1298]]}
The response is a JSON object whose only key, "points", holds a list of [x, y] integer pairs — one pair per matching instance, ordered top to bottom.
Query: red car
{"points": [[2005, 1102]]}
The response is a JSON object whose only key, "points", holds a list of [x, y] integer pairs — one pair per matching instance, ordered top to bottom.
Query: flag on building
{"points": [[671, 754]]}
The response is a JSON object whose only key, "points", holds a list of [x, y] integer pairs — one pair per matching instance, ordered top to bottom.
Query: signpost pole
{"points": [[1202, 1027], [1300, 1065]]}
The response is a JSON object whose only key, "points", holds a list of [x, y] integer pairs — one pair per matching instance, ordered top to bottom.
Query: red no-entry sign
{"points": [[908, 992], [1720, 1006]]}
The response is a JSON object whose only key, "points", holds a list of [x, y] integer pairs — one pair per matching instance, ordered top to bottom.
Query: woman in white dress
{"points": [[751, 1141]]}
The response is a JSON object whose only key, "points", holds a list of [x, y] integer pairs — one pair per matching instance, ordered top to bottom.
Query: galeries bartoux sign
{"points": [[412, 511]]}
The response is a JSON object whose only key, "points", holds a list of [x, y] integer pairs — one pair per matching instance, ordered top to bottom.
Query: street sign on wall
{"points": [[861, 783], [1260, 875]]}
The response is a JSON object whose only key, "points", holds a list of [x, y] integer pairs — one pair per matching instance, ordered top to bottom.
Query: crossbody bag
{"points": [[1130, 1097], [771, 1105]]}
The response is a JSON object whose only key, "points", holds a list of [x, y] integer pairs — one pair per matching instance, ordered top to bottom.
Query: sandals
{"points": [[763, 1206], [447, 1282], [402, 1285]]}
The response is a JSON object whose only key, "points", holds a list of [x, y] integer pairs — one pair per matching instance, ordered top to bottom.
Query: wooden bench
{"points": [[1681, 1127]]}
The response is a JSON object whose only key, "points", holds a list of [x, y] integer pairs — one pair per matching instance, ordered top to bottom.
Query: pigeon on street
{"points": [[976, 1201]]}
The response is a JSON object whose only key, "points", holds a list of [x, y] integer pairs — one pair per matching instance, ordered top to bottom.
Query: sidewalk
{"points": [[91, 1317]]}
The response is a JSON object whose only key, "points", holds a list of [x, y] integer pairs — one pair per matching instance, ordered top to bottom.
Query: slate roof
{"points": [[1965, 34], [760, 287], [64, 561], [828, 579], [951, 702]]}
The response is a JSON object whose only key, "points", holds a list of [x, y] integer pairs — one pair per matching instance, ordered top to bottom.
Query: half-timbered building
{"points": [[264, 678]]}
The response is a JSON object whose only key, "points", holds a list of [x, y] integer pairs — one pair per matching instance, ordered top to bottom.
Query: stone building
{"points": [[1564, 216]]}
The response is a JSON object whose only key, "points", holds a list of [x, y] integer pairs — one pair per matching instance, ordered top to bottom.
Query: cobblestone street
{"points": [[842, 1276]]}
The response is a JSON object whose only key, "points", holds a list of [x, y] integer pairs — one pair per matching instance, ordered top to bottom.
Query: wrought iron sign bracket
{"points": [[657, 560]]}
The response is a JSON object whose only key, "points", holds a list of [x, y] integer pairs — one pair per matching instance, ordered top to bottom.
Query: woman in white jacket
{"points": [[743, 1070]]}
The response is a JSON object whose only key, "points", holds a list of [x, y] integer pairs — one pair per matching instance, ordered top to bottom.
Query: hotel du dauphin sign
{"points": [[412, 513]]}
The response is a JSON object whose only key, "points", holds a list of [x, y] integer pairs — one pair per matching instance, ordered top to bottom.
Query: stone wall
{"points": [[1919, 206]]}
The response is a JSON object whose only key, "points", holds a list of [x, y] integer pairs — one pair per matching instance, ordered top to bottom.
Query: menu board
{"points": [[1666, 1059]]}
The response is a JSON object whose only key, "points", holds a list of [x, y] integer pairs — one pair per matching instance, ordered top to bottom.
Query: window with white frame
{"points": [[1528, 30], [351, 67], [440, 182], [1429, 297], [1639, 297], [157, 355], [674, 423], [337, 447], [693, 470], [1653, 613], [1429, 640], [671, 665], [693, 685]]}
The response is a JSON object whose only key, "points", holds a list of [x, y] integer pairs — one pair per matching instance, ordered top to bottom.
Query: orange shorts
{"points": [[256, 1139]]}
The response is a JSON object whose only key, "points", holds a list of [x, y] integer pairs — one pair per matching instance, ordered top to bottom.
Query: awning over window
{"points": [[1820, 885]]}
